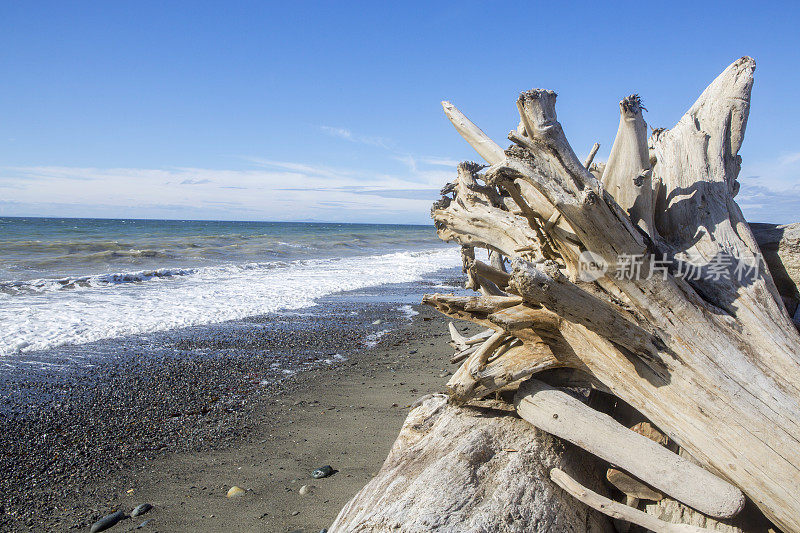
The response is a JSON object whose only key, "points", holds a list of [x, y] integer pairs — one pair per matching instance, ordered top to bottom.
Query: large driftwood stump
{"points": [[638, 282], [464, 470]]}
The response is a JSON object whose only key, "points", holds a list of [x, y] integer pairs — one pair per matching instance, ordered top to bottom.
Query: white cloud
{"points": [[338, 132], [346, 134], [788, 159], [407, 160], [440, 161], [268, 190], [274, 190], [770, 190]]}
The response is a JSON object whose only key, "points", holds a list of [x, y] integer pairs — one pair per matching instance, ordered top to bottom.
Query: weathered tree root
{"points": [[639, 276], [560, 414], [617, 510]]}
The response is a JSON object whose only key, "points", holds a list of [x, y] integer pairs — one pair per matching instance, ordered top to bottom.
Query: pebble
{"points": [[377, 322], [444, 374], [322, 472], [304, 490], [235, 491], [141, 509], [295, 513], [107, 521], [144, 524]]}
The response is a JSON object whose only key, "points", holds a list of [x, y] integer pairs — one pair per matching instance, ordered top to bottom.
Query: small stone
{"points": [[377, 322], [412, 352], [444, 374], [395, 405], [322, 472], [304, 490], [235, 491], [139, 510], [295, 513], [107, 521], [144, 524]]}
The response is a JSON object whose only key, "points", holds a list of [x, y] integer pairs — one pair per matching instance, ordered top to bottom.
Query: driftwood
{"points": [[638, 277], [563, 415], [467, 469], [634, 489], [617, 510]]}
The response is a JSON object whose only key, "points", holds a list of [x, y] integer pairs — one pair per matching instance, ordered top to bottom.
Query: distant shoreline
{"points": [[243, 221]]}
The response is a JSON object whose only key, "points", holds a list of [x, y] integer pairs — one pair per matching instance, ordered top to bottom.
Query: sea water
{"points": [[73, 281]]}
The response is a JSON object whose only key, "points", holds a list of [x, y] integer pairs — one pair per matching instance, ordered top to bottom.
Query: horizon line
{"points": [[216, 220]]}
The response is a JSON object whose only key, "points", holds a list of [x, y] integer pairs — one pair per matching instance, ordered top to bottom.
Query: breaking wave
{"points": [[44, 313]]}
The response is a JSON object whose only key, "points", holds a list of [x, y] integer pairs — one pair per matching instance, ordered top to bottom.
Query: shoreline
{"points": [[346, 416], [180, 448]]}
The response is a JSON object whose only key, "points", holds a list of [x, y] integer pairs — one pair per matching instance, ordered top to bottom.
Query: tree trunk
{"points": [[639, 278], [467, 469]]}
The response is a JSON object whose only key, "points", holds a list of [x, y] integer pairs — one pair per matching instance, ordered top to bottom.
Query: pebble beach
{"points": [[177, 420]]}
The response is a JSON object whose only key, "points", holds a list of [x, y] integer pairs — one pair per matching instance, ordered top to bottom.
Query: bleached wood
{"points": [[486, 147], [589, 158], [627, 176], [474, 217], [478, 337], [458, 339], [714, 363], [557, 412], [472, 470], [631, 487], [617, 510]]}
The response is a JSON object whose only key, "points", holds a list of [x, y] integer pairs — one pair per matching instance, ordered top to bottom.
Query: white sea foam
{"points": [[122, 304], [408, 310], [371, 340]]}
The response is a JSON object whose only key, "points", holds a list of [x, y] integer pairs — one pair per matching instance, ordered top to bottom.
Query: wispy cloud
{"points": [[338, 132], [344, 133], [788, 159], [409, 160], [439, 161], [266, 188], [770, 189], [272, 190]]}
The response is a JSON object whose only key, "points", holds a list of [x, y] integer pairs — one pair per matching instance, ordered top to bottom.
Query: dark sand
{"points": [[347, 417], [178, 432]]}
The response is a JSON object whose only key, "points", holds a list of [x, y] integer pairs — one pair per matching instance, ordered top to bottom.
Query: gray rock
{"points": [[322, 472], [139, 510], [107, 521], [144, 524]]}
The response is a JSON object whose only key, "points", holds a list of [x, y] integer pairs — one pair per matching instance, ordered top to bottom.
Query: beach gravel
{"points": [[168, 419]]}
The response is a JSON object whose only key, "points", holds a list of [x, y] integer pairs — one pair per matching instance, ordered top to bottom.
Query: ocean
{"points": [[67, 282]]}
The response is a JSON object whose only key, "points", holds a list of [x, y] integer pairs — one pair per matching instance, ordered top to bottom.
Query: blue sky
{"points": [[330, 111]]}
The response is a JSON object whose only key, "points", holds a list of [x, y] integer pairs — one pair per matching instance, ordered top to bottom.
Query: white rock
{"points": [[235, 491]]}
